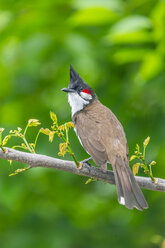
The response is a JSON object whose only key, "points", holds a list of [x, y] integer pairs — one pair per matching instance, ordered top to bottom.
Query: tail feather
{"points": [[129, 192]]}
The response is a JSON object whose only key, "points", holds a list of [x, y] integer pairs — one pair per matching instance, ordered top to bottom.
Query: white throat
{"points": [[76, 102]]}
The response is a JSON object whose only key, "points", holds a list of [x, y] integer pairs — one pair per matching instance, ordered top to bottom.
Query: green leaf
{"points": [[116, 5], [93, 16], [5, 18], [131, 24], [132, 29], [130, 38], [128, 55], [152, 65], [53, 117], [33, 123], [70, 124], [62, 127], [1, 131], [45, 131], [48, 132], [51, 136], [5, 140], [146, 141], [138, 147], [62, 148], [132, 157], [10, 162], [152, 163], [135, 168], [19, 171], [90, 180]]}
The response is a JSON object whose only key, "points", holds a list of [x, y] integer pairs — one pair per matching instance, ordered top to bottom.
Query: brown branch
{"points": [[37, 160]]}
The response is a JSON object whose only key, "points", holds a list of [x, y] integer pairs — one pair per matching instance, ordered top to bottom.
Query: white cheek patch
{"points": [[86, 96], [76, 102]]}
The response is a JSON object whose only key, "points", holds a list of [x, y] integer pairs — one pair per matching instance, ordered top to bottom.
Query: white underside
{"points": [[76, 102], [78, 137], [80, 140], [122, 200]]}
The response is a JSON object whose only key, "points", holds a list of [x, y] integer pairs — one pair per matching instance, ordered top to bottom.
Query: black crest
{"points": [[73, 74], [75, 79], [77, 83]]}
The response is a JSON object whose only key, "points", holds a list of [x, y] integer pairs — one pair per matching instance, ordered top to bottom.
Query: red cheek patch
{"points": [[87, 91]]}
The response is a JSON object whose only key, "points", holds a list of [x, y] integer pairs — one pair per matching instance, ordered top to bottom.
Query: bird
{"points": [[103, 138]]}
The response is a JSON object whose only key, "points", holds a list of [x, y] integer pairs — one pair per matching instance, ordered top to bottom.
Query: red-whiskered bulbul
{"points": [[102, 136]]}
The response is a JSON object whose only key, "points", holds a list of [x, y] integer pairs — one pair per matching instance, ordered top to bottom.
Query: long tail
{"points": [[129, 192]]}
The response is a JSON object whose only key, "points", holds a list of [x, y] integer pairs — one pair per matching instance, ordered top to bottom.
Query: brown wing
{"points": [[102, 135], [90, 138]]}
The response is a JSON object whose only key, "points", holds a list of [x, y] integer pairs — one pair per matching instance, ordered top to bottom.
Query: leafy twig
{"points": [[59, 130], [142, 157], [19, 171]]}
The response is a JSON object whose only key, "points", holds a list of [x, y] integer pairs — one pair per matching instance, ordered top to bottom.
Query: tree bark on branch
{"points": [[38, 160]]}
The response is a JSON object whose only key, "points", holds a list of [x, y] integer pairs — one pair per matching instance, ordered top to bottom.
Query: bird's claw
{"points": [[85, 161]]}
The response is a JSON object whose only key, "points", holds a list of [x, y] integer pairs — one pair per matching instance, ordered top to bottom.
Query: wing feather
{"points": [[101, 133]]}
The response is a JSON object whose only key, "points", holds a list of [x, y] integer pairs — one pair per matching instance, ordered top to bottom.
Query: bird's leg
{"points": [[85, 161]]}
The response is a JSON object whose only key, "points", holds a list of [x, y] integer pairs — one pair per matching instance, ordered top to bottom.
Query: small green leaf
{"points": [[92, 16], [53, 117], [33, 123], [70, 124], [67, 125], [61, 128], [1, 130], [45, 131], [48, 132], [51, 136], [5, 140], [146, 141], [137, 147], [62, 148], [132, 157], [10, 162], [152, 163], [135, 168], [19, 171], [13, 174], [90, 180]]}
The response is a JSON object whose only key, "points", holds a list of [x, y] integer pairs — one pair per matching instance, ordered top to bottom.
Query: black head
{"points": [[78, 85]]}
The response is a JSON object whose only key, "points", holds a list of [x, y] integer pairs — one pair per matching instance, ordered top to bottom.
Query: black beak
{"points": [[68, 90]]}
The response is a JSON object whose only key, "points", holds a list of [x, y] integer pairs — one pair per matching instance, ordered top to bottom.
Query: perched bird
{"points": [[103, 138]]}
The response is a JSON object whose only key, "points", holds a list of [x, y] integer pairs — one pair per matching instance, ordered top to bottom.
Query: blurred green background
{"points": [[118, 47]]}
